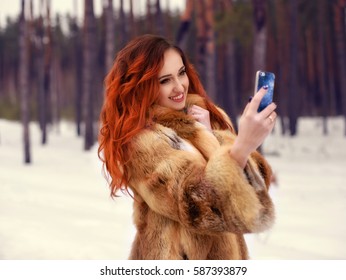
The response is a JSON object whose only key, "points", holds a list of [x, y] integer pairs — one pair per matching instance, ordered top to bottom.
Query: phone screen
{"points": [[265, 78]]}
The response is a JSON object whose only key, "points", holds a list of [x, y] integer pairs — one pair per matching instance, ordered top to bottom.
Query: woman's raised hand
{"points": [[201, 115], [254, 127]]}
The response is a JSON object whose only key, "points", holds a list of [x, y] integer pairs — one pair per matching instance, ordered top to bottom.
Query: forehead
{"points": [[172, 62]]}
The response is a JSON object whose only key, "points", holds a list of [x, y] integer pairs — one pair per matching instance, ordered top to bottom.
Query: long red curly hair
{"points": [[132, 87]]}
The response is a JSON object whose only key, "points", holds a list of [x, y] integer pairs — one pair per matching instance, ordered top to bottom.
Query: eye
{"points": [[182, 72], [164, 81]]}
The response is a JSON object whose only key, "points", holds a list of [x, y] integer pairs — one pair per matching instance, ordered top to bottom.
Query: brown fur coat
{"points": [[191, 199]]}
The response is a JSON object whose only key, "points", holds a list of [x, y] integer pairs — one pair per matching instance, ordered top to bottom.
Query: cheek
{"points": [[186, 82], [164, 92], [163, 95]]}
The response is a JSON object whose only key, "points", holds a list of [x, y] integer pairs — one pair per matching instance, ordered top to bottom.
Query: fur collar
{"points": [[180, 121], [185, 126]]}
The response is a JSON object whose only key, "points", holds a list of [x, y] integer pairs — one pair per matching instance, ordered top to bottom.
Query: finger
{"points": [[256, 100], [195, 107], [246, 108], [192, 109], [199, 109], [268, 110], [189, 111], [194, 113], [272, 118]]}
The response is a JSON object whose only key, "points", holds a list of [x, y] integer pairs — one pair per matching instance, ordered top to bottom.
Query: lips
{"points": [[177, 98]]}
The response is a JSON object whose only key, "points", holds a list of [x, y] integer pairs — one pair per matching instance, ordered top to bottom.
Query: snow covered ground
{"points": [[59, 207]]}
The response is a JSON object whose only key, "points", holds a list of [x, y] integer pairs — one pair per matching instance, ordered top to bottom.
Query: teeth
{"points": [[177, 97]]}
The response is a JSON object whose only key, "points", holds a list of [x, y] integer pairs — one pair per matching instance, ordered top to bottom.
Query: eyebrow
{"points": [[169, 75]]}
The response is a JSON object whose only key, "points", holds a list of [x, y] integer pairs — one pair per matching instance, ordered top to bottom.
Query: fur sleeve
{"points": [[264, 169], [205, 196]]}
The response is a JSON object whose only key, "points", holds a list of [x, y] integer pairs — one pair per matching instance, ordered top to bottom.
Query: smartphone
{"points": [[265, 78]]}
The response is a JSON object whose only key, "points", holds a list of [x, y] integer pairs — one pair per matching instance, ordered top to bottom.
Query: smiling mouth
{"points": [[177, 98]]}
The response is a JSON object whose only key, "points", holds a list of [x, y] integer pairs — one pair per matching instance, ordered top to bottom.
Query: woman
{"points": [[197, 187]]}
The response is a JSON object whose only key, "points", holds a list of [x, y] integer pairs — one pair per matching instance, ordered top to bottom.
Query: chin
{"points": [[179, 106]]}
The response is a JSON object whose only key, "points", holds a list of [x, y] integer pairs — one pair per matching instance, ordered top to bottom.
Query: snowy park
{"points": [[59, 207]]}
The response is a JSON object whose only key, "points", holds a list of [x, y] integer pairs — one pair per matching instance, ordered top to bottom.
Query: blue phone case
{"points": [[265, 78]]}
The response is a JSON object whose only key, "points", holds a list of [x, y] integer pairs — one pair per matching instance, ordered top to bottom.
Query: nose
{"points": [[178, 86]]}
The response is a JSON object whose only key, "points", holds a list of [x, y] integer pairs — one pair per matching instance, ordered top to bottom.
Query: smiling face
{"points": [[174, 82]]}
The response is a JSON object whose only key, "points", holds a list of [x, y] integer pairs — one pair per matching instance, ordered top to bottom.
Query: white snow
{"points": [[59, 206]]}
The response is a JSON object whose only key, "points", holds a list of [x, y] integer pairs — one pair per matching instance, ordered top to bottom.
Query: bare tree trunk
{"points": [[149, 16], [159, 19], [168, 22], [185, 22], [339, 25], [133, 30], [123, 33], [260, 39], [201, 40], [110, 43], [47, 45], [210, 51], [283, 60], [321, 64], [331, 64], [40, 65], [226, 65], [78, 66], [310, 68], [293, 69], [88, 70], [23, 82], [56, 90], [231, 93]]}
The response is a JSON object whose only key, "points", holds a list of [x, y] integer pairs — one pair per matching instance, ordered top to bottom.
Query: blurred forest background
{"points": [[52, 66]]}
